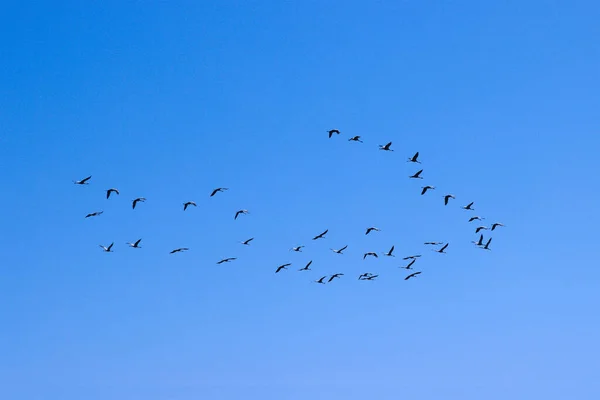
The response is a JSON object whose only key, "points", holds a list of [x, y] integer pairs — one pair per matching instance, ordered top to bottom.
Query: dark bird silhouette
{"points": [[332, 131], [355, 139], [386, 147], [414, 158], [417, 175], [84, 181], [426, 188], [217, 190], [110, 191], [447, 198], [138, 200], [187, 204], [469, 206], [240, 212], [94, 214], [475, 219], [497, 224], [481, 228], [371, 229], [321, 236], [247, 242], [480, 242], [434, 243], [135, 245], [487, 245], [108, 249], [297, 249], [442, 249], [179, 250], [340, 250], [389, 253], [370, 254], [412, 257], [226, 260], [410, 264], [284, 266], [307, 267], [412, 275], [334, 276], [364, 276], [370, 278], [320, 280]]}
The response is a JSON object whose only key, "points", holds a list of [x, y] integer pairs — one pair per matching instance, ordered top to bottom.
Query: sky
{"points": [[169, 101]]}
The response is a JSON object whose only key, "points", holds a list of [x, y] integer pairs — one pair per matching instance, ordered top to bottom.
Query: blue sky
{"points": [[170, 101]]}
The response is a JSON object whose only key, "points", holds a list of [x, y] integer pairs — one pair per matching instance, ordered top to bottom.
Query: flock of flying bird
{"points": [[367, 276]]}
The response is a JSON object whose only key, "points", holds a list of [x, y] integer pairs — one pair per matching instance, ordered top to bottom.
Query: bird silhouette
{"points": [[332, 131], [355, 139], [386, 147], [414, 158], [417, 175], [83, 181], [426, 188], [217, 190], [110, 191], [447, 198], [138, 200], [187, 204], [469, 206], [240, 212], [94, 214], [475, 219], [495, 225], [481, 228], [371, 229], [321, 236], [247, 242], [480, 242], [434, 243], [135, 245], [487, 245], [108, 249], [297, 249], [442, 249], [179, 250], [340, 250], [389, 253], [370, 254], [412, 257], [226, 260], [410, 264], [284, 266], [307, 267], [412, 275], [334, 276], [364, 276], [370, 278], [320, 280]]}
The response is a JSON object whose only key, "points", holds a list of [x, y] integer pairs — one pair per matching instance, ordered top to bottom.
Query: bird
{"points": [[332, 131], [355, 139], [386, 147], [414, 158], [417, 175], [83, 181], [426, 188], [217, 190], [110, 191], [447, 198], [138, 200], [187, 204], [469, 206], [240, 212], [94, 214], [475, 219], [497, 224], [481, 228], [371, 229], [321, 236], [247, 242], [480, 242], [434, 243], [135, 245], [487, 245], [297, 248], [108, 249], [442, 249], [178, 250], [340, 250], [389, 253], [370, 254], [412, 257], [226, 260], [284, 266], [409, 266], [306, 268], [412, 275], [334, 276], [364, 276], [370, 278], [320, 280]]}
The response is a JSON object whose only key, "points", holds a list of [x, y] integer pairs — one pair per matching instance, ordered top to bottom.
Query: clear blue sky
{"points": [[169, 101]]}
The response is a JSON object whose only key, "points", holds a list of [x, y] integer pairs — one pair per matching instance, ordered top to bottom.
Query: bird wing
{"points": [[416, 155], [84, 180], [424, 190], [214, 192], [236, 214], [138, 242], [111, 245], [445, 246], [344, 248], [412, 262]]}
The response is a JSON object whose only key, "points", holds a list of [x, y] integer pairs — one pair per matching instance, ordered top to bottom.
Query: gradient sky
{"points": [[169, 101]]}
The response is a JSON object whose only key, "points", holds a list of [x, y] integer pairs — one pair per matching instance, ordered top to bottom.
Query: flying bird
{"points": [[332, 131], [355, 139], [386, 147], [414, 158], [417, 175], [84, 181], [426, 188], [217, 190], [110, 191], [447, 198], [138, 200], [187, 204], [469, 206], [240, 212], [94, 214], [475, 219], [497, 224], [481, 228], [371, 229], [321, 236], [247, 242], [480, 242], [434, 243], [135, 245], [487, 245], [297, 248], [108, 249], [442, 249], [178, 250], [340, 250], [389, 253], [370, 254], [412, 257], [226, 260], [284, 266], [409, 266], [307, 267], [412, 275], [334, 276], [364, 276], [370, 278], [320, 280]]}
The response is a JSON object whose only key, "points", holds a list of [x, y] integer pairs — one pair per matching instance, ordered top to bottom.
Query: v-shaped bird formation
{"points": [[410, 261]]}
